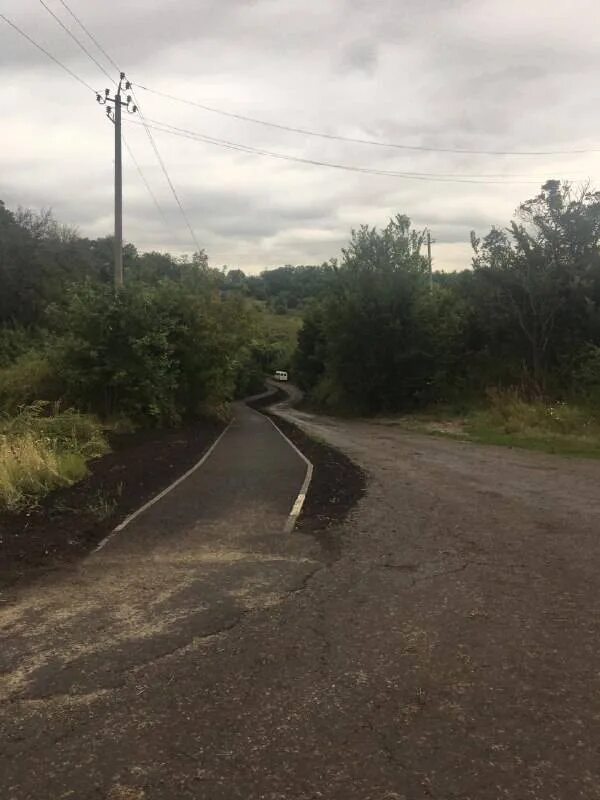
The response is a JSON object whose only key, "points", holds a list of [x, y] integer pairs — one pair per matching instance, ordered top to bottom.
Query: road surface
{"points": [[451, 650]]}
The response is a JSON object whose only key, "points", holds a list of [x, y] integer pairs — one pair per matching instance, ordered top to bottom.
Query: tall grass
{"points": [[559, 427], [42, 448]]}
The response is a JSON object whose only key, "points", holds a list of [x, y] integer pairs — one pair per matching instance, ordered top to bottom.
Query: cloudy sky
{"points": [[491, 75]]}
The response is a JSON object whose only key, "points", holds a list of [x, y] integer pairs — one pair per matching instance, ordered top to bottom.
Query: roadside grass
{"points": [[561, 428], [43, 448]]}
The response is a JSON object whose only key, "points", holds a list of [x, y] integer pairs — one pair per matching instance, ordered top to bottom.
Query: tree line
{"points": [[526, 315], [182, 338]]}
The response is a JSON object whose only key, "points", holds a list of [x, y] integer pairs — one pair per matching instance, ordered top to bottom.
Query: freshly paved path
{"points": [[188, 567], [450, 651]]}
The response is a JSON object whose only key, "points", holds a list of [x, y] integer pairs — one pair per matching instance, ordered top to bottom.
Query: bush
{"points": [[14, 342], [154, 354], [29, 378]]}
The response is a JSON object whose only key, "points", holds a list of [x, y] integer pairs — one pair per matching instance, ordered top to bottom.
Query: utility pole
{"points": [[113, 112], [118, 194], [429, 260]]}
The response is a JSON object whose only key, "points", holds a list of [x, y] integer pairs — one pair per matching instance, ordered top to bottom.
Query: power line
{"points": [[90, 35], [76, 40], [46, 53], [87, 85], [148, 132], [373, 142], [166, 173], [419, 176], [146, 184]]}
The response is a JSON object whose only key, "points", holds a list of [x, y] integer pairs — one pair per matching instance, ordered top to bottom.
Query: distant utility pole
{"points": [[113, 112], [429, 260]]}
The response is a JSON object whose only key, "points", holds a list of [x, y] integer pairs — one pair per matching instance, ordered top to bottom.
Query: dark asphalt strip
{"points": [[249, 482], [337, 483]]}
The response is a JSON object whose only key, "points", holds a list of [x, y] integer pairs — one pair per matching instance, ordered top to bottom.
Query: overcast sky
{"points": [[482, 75]]}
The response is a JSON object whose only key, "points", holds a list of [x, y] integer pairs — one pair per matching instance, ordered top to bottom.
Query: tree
{"points": [[539, 277], [380, 340], [154, 353]]}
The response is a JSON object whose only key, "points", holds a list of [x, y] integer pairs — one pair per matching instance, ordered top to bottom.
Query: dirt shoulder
{"points": [[70, 522]]}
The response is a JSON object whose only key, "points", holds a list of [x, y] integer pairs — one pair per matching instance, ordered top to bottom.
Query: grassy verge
{"points": [[506, 419], [41, 449]]}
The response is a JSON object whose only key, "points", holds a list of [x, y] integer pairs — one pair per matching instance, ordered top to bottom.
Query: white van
{"points": [[280, 375]]}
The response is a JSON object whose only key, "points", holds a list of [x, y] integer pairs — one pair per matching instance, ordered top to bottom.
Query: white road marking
{"points": [[164, 492], [299, 502]]}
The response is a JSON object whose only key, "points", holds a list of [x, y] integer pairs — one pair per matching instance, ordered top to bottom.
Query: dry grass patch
{"points": [[42, 448]]}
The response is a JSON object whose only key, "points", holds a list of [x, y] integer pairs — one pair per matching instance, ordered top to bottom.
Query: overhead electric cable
{"points": [[90, 35], [76, 40], [49, 55], [148, 132], [373, 142], [166, 174], [439, 178], [146, 184]]}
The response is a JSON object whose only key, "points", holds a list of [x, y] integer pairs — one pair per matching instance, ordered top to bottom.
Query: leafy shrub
{"points": [[14, 342], [155, 354], [30, 377]]}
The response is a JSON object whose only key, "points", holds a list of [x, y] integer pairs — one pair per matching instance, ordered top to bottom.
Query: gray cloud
{"points": [[361, 55], [478, 74]]}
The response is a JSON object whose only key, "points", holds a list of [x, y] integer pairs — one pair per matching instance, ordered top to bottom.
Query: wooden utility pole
{"points": [[113, 112], [118, 194], [429, 260]]}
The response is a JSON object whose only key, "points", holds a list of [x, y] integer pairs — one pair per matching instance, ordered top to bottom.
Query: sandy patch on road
{"points": [[110, 602]]}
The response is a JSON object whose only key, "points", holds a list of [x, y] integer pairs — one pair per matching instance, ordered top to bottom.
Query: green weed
{"points": [[508, 419], [42, 449]]}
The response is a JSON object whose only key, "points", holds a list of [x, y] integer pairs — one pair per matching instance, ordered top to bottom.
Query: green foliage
{"points": [[289, 288], [536, 293], [526, 316], [365, 334], [380, 340], [14, 342], [270, 346], [154, 354], [586, 376], [30, 377], [508, 412], [509, 419], [559, 427], [68, 429], [41, 449]]}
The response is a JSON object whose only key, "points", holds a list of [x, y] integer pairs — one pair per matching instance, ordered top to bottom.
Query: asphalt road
{"points": [[451, 650]]}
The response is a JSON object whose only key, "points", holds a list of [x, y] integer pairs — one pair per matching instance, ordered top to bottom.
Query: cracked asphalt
{"points": [[449, 650]]}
